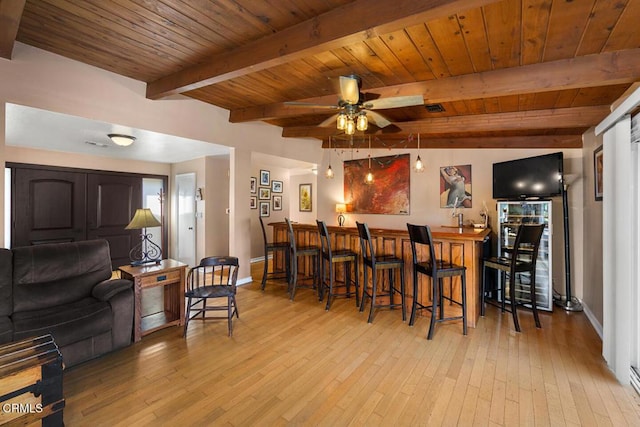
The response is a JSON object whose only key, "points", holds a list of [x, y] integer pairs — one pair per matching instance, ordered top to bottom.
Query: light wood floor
{"points": [[293, 363]]}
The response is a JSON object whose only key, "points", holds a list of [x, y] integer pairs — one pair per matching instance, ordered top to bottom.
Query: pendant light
{"points": [[419, 167], [329, 173], [369, 177]]}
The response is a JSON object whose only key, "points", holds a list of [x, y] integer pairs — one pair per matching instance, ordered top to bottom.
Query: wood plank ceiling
{"points": [[510, 73]]}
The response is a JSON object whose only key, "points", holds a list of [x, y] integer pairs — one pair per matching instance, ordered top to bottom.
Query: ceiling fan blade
{"points": [[349, 90], [394, 102], [310, 105], [377, 119], [331, 121]]}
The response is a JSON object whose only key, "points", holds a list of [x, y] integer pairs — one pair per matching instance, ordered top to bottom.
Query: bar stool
{"points": [[273, 248], [296, 252], [329, 258], [522, 259], [375, 263], [437, 269]]}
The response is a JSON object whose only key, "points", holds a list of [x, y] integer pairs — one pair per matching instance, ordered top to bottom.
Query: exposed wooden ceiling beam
{"points": [[10, 15], [348, 24], [604, 69], [558, 118], [529, 142]]}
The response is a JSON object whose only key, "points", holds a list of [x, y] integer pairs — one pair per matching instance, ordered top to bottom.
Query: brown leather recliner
{"points": [[65, 289]]}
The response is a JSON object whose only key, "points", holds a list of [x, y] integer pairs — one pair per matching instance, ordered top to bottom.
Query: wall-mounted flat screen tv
{"points": [[529, 178]]}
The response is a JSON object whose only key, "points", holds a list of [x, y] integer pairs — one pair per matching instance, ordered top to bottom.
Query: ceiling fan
{"points": [[356, 107]]}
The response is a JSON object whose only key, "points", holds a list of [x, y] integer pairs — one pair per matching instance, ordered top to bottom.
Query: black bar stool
{"points": [[272, 248], [296, 252], [329, 258], [522, 259], [375, 263], [437, 269]]}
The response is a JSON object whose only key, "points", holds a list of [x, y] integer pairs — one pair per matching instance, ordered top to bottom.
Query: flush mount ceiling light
{"points": [[122, 140]]}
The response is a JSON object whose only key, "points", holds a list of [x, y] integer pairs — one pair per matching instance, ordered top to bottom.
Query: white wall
{"points": [[39, 79], [592, 295]]}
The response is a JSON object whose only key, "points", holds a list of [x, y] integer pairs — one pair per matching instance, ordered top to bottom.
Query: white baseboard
{"points": [[259, 259], [244, 281], [592, 318]]}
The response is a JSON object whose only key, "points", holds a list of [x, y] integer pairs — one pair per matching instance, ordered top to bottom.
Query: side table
{"points": [[168, 273]]}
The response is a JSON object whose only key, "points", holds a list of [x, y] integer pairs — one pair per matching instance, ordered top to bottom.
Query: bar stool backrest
{"points": [[264, 234], [421, 234], [292, 235], [325, 241], [527, 243], [366, 244]]}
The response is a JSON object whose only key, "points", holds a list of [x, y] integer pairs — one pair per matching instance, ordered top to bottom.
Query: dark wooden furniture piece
{"points": [[55, 204], [464, 246], [272, 248], [306, 252], [328, 258], [521, 258], [375, 262], [436, 269], [170, 274], [214, 278], [31, 382]]}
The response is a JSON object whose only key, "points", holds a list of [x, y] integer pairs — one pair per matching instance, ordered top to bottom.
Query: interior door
{"points": [[112, 201], [48, 207], [186, 238]]}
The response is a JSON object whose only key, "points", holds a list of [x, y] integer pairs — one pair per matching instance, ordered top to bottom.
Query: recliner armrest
{"points": [[106, 289]]}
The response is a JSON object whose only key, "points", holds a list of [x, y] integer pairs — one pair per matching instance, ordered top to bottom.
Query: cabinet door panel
{"points": [[112, 201], [48, 207]]}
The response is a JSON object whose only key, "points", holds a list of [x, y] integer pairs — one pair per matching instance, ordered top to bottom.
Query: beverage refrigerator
{"points": [[510, 215]]}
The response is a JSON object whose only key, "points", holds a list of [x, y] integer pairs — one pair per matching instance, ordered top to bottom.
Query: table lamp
{"points": [[340, 209], [145, 251]]}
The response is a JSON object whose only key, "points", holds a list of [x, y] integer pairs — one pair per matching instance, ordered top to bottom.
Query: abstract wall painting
{"points": [[387, 194]]}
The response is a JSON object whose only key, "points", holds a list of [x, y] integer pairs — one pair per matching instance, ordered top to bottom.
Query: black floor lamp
{"points": [[569, 303]]}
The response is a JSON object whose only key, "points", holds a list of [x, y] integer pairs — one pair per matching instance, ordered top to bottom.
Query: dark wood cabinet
{"points": [[64, 205]]}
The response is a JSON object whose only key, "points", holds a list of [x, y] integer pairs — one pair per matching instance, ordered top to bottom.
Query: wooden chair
{"points": [[273, 248], [296, 252], [329, 258], [521, 259], [375, 262], [436, 269], [215, 277]]}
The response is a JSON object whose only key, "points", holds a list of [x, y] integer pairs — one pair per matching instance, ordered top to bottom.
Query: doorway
{"points": [[186, 218]]}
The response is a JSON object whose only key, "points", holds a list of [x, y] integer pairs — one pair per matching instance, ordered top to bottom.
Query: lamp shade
{"points": [[341, 208], [143, 218]]}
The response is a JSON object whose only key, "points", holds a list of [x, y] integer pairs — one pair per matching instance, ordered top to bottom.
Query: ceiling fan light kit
{"points": [[355, 110]]}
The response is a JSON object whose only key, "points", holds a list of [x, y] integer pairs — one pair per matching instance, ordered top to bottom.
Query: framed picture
{"points": [[597, 173], [265, 177], [254, 185], [276, 186], [455, 186], [264, 193], [390, 193], [305, 198], [254, 202], [277, 203], [264, 209]]}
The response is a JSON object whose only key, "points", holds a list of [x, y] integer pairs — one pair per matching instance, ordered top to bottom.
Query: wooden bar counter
{"points": [[460, 245]]}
